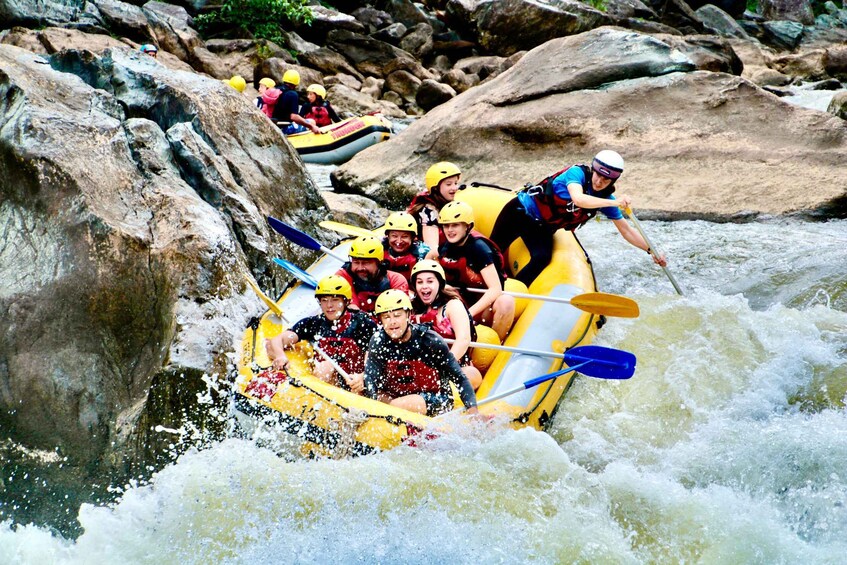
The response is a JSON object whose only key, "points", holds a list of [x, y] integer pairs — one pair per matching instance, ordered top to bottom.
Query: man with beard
{"points": [[367, 273]]}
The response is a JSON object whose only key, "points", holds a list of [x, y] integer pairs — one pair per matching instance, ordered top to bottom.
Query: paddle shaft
{"points": [[653, 251], [525, 295], [538, 352], [531, 383]]}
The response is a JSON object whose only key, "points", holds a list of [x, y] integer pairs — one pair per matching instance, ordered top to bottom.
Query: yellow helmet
{"points": [[291, 77], [269, 82], [238, 83], [317, 89], [438, 172], [456, 212], [401, 221], [367, 247], [428, 266], [334, 285], [390, 300]]}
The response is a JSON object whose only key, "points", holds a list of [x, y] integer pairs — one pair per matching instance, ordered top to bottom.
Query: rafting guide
{"points": [[566, 199], [409, 366]]}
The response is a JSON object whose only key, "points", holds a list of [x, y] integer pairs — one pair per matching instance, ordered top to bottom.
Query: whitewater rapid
{"points": [[727, 446]]}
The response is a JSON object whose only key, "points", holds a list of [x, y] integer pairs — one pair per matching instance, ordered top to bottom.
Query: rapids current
{"points": [[727, 446]]}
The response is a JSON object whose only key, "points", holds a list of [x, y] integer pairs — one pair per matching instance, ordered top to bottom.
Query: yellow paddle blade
{"points": [[345, 228], [606, 304], [272, 306]]}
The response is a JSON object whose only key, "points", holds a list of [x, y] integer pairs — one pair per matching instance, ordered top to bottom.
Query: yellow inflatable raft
{"points": [[338, 142], [336, 422]]}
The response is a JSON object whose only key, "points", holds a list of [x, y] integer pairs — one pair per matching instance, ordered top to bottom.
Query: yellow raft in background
{"points": [[338, 142], [336, 422]]}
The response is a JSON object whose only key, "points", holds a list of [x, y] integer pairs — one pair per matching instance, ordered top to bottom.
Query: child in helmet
{"points": [[149, 49], [268, 96], [317, 109], [442, 183], [566, 199], [401, 244], [471, 260], [367, 274], [441, 307], [343, 334], [410, 366]]}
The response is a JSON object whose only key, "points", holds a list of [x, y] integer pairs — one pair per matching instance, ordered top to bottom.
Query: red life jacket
{"points": [[320, 115], [560, 213], [401, 264], [459, 274], [364, 294], [445, 327], [342, 348], [410, 377]]}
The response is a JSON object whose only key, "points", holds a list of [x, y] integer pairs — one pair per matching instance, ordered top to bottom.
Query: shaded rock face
{"points": [[792, 10], [72, 13], [697, 143], [132, 198]]}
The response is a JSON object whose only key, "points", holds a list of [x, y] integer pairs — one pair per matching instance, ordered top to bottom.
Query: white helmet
{"points": [[608, 163]]}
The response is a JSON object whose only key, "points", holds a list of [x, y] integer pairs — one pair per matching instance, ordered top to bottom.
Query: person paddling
{"points": [[442, 183], [566, 199], [402, 247], [471, 260], [367, 274], [441, 307], [343, 334], [410, 366]]}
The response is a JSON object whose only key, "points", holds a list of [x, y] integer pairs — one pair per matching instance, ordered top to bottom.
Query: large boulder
{"points": [[791, 10], [64, 13], [125, 19], [719, 22], [507, 26], [370, 56], [693, 140], [136, 197]]}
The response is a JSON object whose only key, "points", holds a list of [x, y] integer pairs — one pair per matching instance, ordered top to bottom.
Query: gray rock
{"points": [[630, 9], [790, 10], [404, 11], [51, 13], [372, 18], [125, 19], [324, 20], [720, 22], [507, 26], [647, 26], [172, 28], [391, 34], [784, 34], [418, 41], [299, 44], [707, 52], [369, 56], [329, 62], [835, 62], [442, 63], [408, 64], [808, 65], [483, 66], [765, 77], [347, 80], [459, 81], [403, 83], [372, 86], [432, 93], [393, 97], [359, 103], [838, 105], [354, 209], [134, 233]]}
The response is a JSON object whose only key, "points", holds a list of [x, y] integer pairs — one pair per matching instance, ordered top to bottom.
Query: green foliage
{"points": [[597, 4], [753, 6], [262, 18]]}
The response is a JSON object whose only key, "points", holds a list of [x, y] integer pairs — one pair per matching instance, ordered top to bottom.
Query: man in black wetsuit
{"points": [[410, 366]]}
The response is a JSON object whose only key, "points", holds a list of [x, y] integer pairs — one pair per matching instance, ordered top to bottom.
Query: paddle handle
{"points": [[487, 185], [653, 251], [333, 254], [525, 295], [511, 349], [332, 361], [530, 383]]}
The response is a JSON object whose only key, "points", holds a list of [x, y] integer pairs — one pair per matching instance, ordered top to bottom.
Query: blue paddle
{"points": [[302, 239], [298, 273], [591, 360]]}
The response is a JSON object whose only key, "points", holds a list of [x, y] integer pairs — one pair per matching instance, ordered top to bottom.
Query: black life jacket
{"points": [[560, 213], [459, 274]]}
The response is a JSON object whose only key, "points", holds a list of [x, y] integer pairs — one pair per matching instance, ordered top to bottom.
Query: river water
{"points": [[727, 446]]}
